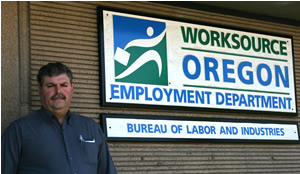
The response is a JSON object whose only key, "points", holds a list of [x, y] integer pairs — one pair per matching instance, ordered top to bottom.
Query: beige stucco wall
{"points": [[14, 62], [9, 63]]}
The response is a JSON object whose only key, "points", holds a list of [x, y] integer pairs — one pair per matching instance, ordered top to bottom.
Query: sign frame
{"points": [[101, 49], [104, 117]]}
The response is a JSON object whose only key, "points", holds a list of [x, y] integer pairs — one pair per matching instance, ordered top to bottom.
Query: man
{"points": [[54, 140]]}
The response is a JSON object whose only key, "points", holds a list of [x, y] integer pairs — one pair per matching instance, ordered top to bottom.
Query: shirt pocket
{"points": [[89, 152]]}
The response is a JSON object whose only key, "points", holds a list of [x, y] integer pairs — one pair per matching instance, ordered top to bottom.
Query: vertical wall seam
{"points": [[24, 60]]}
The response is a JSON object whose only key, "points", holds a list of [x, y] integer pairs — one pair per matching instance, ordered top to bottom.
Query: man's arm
{"points": [[10, 150], [105, 163]]}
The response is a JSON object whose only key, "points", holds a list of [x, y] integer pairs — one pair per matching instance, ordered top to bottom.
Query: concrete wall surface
{"points": [[10, 84], [15, 90]]}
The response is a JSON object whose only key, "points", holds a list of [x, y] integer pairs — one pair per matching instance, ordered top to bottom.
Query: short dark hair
{"points": [[53, 69]]}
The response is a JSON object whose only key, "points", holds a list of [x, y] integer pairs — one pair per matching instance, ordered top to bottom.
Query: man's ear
{"points": [[72, 85], [40, 88]]}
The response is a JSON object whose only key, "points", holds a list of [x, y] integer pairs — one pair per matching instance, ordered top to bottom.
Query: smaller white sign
{"points": [[207, 130]]}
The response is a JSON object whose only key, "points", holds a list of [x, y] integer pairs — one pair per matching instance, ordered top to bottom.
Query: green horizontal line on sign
{"points": [[219, 52], [233, 89]]}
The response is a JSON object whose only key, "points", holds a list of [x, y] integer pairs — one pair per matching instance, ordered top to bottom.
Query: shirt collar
{"points": [[50, 117]]}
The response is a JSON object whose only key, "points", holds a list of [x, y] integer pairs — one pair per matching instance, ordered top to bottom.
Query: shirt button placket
{"points": [[68, 149]]}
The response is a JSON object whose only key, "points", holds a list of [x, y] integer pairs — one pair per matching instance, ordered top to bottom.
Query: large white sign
{"points": [[151, 61], [136, 128]]}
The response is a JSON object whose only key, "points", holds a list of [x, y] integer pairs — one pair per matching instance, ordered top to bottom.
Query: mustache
{"points": [[58, 96]]}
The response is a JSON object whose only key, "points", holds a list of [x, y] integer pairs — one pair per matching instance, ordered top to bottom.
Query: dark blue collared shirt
{"points": [[38, 144]]}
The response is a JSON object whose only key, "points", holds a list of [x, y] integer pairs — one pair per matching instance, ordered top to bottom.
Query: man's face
{"points": [[56, 93]]}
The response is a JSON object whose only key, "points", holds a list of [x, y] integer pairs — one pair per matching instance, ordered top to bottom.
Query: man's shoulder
{"points": [[29, 118], [82, 119], [24, 122]]}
